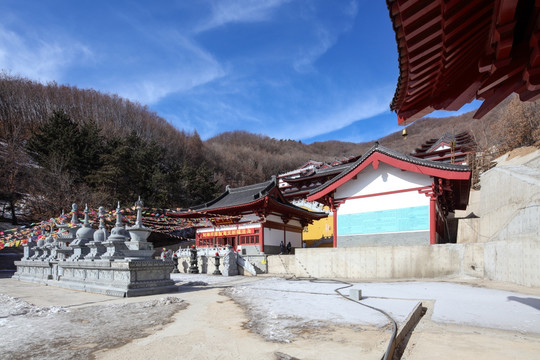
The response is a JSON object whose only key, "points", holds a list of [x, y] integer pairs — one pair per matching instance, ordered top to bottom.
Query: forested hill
{"points": [[60, 144], [242, 158], [245, 158]]}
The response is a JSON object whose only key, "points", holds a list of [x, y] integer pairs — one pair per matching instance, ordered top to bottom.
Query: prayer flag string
{"points": [[155, 219]]}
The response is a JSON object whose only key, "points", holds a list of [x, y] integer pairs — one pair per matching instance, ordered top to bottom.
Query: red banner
{"points": [[211, 234]]}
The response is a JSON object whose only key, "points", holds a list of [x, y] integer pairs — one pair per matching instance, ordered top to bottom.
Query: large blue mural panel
{"points": [[384, 221]]}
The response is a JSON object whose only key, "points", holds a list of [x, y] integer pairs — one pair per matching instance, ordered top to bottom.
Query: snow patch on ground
{"points": [[192, 279], [466, 304], [16, 307], [279, 309], [31, 332]]}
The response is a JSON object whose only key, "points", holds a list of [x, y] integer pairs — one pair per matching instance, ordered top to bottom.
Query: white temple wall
{"points": [[385, 178], [384, 219], [273, 238], [295, 239]]}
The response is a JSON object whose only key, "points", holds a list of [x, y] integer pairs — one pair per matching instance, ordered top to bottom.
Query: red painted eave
{"points": [[377, 157], [252, 207], [219, 211]]}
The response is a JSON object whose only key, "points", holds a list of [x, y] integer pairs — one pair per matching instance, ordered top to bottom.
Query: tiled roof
{"points": [[463, 138], [392, 153], [332, 169], [319, 172], [239, 196], [235, 197]]}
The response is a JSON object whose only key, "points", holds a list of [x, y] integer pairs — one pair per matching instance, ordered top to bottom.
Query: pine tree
{"points": [[54, 144], [60, 145]]}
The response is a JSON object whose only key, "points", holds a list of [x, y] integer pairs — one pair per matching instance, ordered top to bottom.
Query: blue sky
{"points": [[291, 69]]}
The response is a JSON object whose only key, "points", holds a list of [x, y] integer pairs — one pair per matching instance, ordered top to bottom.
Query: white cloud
{"points": [[351, 9], [238, 11], [325, 37], [38, 59], [305, 59], [193, 67], [360, 108], [212, 111], [212, 114]]}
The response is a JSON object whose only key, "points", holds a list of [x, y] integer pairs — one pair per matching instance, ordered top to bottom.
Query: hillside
{"points": [[484, 130], [60, 144], [242, 158]]}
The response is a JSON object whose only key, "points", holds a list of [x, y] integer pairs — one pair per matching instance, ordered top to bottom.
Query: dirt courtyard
{"points": [[262, 318]]}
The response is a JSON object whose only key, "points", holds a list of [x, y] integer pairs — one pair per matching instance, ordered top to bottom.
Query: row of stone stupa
{"points": [[83, 243]]}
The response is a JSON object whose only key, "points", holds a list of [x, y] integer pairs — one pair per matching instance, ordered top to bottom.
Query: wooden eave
{"points": [[452, 52], [262, 205]]}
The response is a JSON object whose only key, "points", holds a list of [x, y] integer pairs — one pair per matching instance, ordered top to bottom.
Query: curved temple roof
{"points": [[454, 51], [405, 162], [248, 199]]}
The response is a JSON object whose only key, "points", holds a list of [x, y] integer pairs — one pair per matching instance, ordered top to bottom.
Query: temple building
{"points": [[450, 148], [296, 185], [388, 198], [251, 219]]}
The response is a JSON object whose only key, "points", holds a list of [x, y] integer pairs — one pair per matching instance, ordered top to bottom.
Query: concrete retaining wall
{"points": [[508, 204], [514, 262], [372, 263], [282, 264]]}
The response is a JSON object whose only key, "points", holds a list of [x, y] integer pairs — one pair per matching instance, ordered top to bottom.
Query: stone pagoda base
{"points": [[124, 278]]}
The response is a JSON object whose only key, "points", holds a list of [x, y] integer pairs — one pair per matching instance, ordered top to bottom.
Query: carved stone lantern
{"points": [[216, 264], [194, 268]]}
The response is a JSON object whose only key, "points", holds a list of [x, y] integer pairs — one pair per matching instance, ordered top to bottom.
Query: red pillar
{"points": [[432, 194], [334, 220], [432, 220], [261, 237]]}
